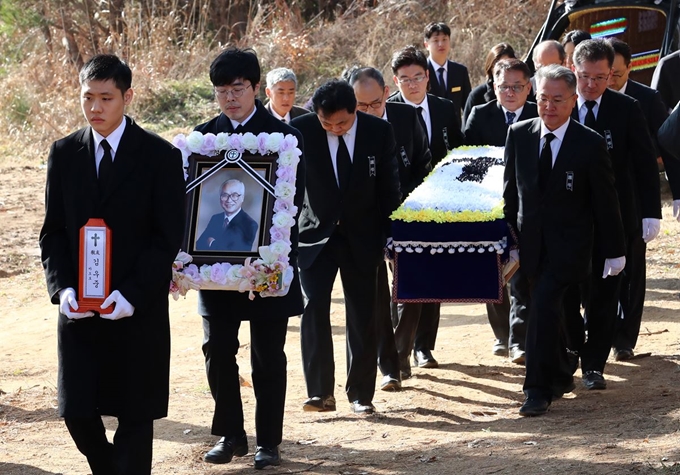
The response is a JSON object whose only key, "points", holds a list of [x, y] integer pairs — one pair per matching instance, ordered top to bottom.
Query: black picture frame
{"points": [[204, 205]]}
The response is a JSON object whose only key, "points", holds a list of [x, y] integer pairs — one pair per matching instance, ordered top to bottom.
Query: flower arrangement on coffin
{"points": [[270, 274]]}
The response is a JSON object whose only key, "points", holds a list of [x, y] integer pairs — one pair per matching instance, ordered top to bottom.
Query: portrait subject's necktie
{"points": [[442, 81], [590, 115], [510, 117], [422, 122], [545, 162], [343, 163], [106, 164], [225, 223]]}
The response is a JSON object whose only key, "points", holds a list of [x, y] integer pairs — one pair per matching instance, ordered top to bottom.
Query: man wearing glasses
{"points": [[235, 74], [620, 120], [441, 122], [488, 125], [413, 158], [560, 199], [233, 229]]}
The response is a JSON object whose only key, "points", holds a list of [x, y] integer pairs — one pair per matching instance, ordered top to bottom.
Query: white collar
{"points": [[436, 65], [581, 101], [423, 104], [517, 112], [276, 114], [235, 124], [558, 132], [113, 138]]}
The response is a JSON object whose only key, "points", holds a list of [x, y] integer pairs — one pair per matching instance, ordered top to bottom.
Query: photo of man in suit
{"points": [[235, 75], [281, 90], [619, 119], [440, 120], [488, 125], [413, 158], [352, 187], [560, 200], [233, 229], [115, 364]]}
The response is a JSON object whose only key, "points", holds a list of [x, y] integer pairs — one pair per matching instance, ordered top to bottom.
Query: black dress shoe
{"points": [[624, 354], [424, 359], [404, 369], [594, 380], [559, 391], [319, 404], [359, 407], [534, 407], [227, 448], [265, 456]]}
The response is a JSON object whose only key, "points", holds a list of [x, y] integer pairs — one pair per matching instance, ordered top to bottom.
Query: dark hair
{"points": [[436, 27], [575, 36], [622, 48], [593, 51], [496, 53], [410, 55], [234, 63], [511, 65], [102, 67], [346, 73], [362, 74], [334, 96]]}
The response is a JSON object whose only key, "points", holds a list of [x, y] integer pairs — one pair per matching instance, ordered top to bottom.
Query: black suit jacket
{"points": [[665, 79], [457, 84], [479, 96], [294, 112], [621, 122], [486, 124], [446, 131], [669, 134], [413, 153], [580, 198], [143, 205], [363, 210], [238, 236], [236, 305]]}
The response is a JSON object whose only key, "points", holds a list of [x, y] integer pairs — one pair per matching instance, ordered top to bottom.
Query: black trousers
{"points": [[359, 287], [632, 296], [508, 319], [428, 325], [388, 358], [268, 361], [547, 364], [130, 452]]}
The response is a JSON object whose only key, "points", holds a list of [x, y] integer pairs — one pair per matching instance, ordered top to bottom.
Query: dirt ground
{"points": [[460, 418]]}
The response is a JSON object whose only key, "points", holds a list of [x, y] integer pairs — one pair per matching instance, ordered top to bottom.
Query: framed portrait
{"points": [[230, 212]]}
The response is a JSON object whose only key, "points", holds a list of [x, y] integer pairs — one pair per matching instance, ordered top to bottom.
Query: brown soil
{"points": [[460, 418]]}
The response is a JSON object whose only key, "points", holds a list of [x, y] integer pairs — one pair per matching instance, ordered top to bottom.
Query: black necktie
{"points": [[441, 78], [590, 115], [510, 117], [421, 119], [238, 129], [343, 163], [545, 163], [105, 165]]}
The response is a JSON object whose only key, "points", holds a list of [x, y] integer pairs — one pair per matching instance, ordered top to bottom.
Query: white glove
{"points": [[676, 209], [650, 228], [514, 255], [613, 266], [67, 301], [123, 307]]}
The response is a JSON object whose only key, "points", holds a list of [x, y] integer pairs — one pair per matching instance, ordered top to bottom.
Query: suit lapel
{"points": [[125, 160], [85, 165], [359, 166], [558, 169]]}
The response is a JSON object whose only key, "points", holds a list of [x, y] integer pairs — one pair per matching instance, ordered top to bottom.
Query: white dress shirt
{"points": [[583, 108], [425, 113], [113, 139], [556, 142], [333, 143]]}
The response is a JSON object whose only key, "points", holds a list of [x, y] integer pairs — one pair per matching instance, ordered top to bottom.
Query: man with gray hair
{"points": [[281, 89], [558, 173]]}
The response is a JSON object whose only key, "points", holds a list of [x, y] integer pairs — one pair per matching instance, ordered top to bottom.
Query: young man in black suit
{"points": [[235, 74], [447, 78], [665, 79], [281, 90], [440, 119], [619, 119], [488, 125], [413, 158], [352, 188], [560, 200], [233, 229], [633, 281], [115, 364]]}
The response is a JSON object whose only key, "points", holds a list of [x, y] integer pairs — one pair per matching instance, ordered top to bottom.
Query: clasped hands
{"points": [[67, 301]]}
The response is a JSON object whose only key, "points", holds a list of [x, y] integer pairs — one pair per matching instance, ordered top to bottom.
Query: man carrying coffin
{"points": [[235, 75], [558, 174], [115, 363]]}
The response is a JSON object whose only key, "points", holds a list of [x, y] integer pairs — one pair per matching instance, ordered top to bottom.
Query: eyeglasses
{"points": [[617, 76], [597, 79], [415, 80], [517, 88], [236, 92], [542, 100], [375, 105], [230, 196]]}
